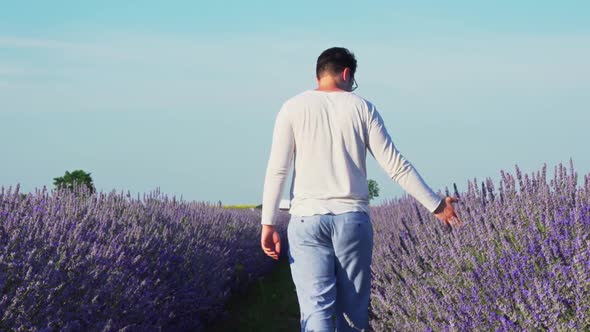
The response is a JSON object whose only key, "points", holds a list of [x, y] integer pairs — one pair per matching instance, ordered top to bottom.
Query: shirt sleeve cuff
{"points": [[441, 200], [266, 222]]}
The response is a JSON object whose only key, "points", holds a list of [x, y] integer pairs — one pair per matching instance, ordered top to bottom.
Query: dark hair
{"points": [[334, 60]]}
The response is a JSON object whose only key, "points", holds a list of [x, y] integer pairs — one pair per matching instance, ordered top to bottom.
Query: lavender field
{"points": [[72, 261], [76, 261], [521, 261]]}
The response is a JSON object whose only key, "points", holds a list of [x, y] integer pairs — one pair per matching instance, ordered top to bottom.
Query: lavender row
{"points": [[521, 260], [73, 261]]}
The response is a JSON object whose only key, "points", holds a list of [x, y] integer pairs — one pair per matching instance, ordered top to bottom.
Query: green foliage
{"points": [[77, 176], [373, 189], [240, 206], [267, 304]]}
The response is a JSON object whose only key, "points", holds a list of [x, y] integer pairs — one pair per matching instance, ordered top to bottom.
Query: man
{"points": [[328, 132]]}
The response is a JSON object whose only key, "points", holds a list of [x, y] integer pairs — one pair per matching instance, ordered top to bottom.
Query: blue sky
{"points": [[182, 95]]}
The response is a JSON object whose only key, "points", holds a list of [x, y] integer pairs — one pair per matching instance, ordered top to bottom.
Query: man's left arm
{"points": [[279, 164], [399, 169]]}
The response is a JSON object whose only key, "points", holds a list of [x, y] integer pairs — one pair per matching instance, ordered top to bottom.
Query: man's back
{"points": [[328, 134]]}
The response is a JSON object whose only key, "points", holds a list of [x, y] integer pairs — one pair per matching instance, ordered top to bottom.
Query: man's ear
{"points": [[346, 74]]}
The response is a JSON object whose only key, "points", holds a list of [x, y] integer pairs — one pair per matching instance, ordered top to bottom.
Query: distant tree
{"points": [[78, 176], [373, 189]]}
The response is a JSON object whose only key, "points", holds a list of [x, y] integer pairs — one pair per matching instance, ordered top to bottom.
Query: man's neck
{"points": [[328, 85], [329, 89]]}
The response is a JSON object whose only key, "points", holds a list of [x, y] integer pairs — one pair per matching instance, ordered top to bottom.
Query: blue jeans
{"points": [[330, 259]]}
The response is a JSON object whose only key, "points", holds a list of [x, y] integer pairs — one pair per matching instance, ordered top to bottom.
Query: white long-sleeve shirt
{"points": [[328, 134]]}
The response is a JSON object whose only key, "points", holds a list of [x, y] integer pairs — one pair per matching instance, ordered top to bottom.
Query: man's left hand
{"points": [[445, 212], [271, 241]]}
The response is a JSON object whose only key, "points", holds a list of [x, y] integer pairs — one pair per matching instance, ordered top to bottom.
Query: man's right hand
{"points": [[446, 212]]}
